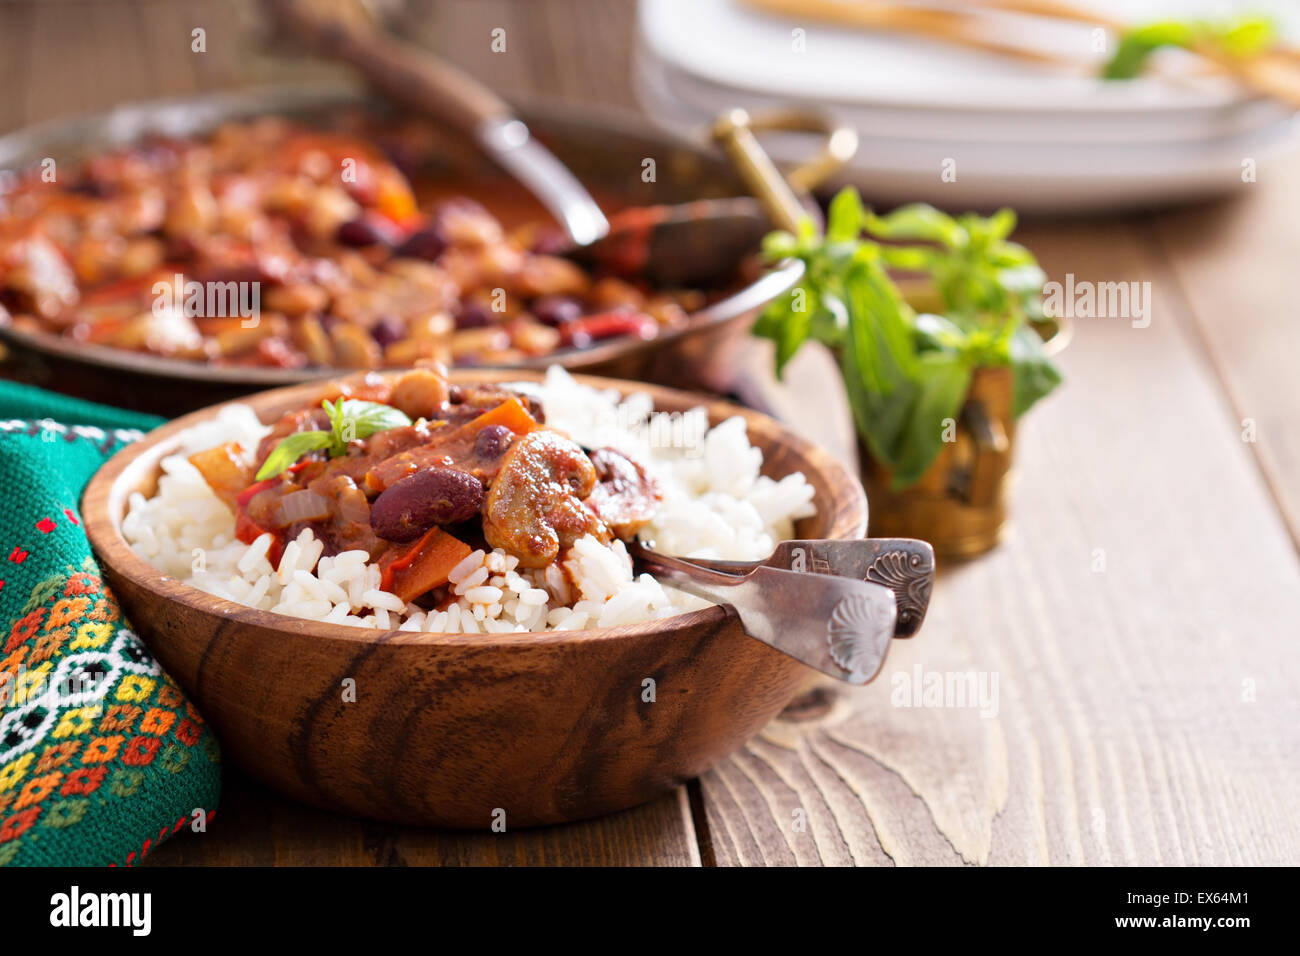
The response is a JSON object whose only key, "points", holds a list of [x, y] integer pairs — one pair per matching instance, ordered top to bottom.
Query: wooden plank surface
{"points": [[1243, 307], [1145, 711], [257, 827]]}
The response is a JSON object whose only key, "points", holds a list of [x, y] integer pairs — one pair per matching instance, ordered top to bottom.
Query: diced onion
{"points": [[303, 505]]}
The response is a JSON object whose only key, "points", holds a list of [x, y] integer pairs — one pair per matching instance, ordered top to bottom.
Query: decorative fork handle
{"points": [[904, 565], [837, 625]]}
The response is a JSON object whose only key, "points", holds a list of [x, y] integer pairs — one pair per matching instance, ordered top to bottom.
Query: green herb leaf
{"points": [[1248, 36], [1241, 37], [1137, 45], [845, 217], [918, 221], [1000, 225], [780, 245], [910, 258], [787, 325], [938, 333], [878, 359], [1033, 373], [905, 374], [944, 379], [335, 412], [367, 418], [349, 419], [291, 449]]}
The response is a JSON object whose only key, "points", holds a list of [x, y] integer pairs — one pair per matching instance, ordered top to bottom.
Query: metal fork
{"points": [[904, 565], [840, 626]]}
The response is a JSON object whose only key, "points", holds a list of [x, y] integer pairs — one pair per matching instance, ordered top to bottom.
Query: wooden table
{"points": [[1141, 618]]}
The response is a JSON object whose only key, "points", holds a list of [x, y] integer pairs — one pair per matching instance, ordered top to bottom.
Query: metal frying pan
{"points": [[598, 146]]}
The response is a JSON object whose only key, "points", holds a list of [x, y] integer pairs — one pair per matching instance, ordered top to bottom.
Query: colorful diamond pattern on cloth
{"points": [[101, 754]]}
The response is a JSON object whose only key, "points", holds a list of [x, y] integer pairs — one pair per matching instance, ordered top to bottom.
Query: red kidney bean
{"points": [[87, 186], [364, 232], [551, 241], [427, 244], [556, 310], [474, 315], [387, 330], [582, 332], [492, 442], [435, 496]]}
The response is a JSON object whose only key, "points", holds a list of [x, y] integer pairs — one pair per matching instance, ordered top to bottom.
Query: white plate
{"points": [[732, 45], [950, 124], [1018, 135], [1040, 176]]}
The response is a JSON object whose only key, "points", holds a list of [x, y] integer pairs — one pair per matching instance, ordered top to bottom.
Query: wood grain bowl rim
{"points": [[104, 502]]}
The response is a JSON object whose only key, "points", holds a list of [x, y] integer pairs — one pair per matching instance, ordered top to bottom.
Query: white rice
{"points": [[716, 505]]}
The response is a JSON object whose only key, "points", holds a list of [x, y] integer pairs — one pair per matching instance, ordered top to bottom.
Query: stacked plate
{"points": [[962, 127]]}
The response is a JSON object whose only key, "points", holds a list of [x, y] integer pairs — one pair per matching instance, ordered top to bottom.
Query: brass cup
{"points": [[960, 503]]}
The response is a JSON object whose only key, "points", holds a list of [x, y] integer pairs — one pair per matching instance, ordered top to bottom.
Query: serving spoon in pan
{"points": [[694, 243], [831, 604]]}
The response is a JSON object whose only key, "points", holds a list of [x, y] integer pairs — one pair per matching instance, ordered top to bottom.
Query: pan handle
{"points": [[345, 30], [782, 195]]}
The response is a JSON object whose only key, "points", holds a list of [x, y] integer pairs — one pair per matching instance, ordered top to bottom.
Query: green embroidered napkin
{"points": [[101, 755]]}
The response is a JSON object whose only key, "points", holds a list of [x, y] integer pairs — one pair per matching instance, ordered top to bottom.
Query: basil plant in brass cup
{"points": [[936, 379]]}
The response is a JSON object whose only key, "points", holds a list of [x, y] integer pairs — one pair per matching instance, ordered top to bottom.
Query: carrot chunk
{"points": [[510, 413], [423, 566]]}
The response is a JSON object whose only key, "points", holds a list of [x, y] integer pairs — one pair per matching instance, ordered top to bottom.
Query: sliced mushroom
{"points": [[535, 509]]}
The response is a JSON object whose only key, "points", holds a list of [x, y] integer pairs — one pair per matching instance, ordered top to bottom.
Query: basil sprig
{"points": [[906, 373], [349, 420]]}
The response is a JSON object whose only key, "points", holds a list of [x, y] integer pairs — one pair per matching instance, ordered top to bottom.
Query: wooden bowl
{"points": [[446, 730]]}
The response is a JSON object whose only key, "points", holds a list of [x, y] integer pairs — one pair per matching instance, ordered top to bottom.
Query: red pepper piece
{"points": [[604, 325], [246, 529]]}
